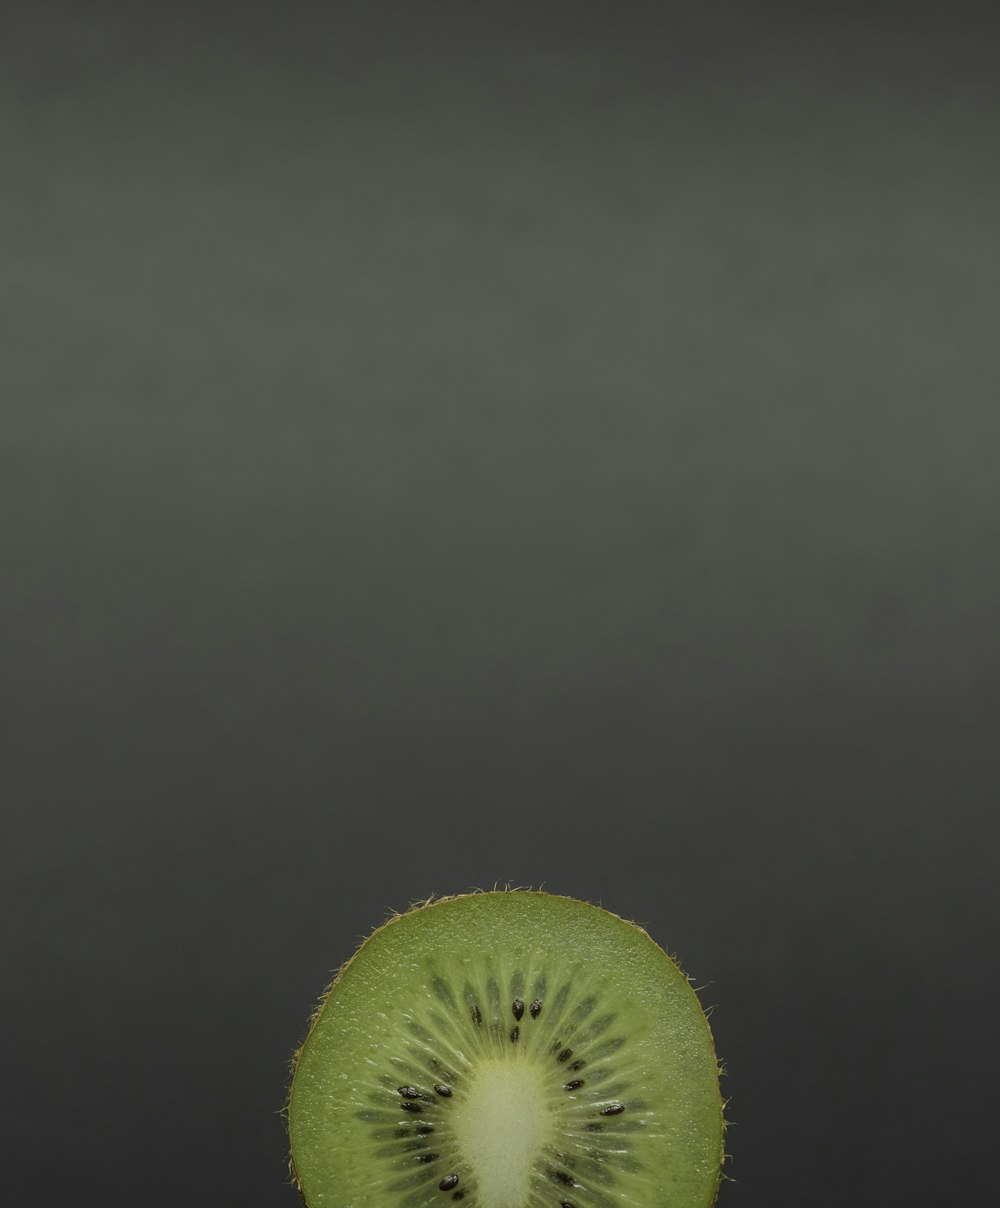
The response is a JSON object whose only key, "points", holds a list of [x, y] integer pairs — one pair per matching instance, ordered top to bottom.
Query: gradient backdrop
{"points": [[451, 443]]}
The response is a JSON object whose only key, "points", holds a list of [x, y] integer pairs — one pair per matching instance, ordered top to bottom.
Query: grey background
{"points": [[449, 444]]}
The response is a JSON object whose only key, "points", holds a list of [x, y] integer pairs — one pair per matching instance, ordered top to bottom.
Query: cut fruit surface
{"points": [[512, 1050]]}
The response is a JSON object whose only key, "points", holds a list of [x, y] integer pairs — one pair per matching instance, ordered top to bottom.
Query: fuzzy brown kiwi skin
{"points": [[416, 908]]}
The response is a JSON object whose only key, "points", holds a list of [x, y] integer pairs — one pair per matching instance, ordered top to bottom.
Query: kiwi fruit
{"points": [[511, 1049]]}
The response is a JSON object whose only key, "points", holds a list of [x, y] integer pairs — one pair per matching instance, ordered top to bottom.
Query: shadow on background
{"points": [[547, 445]]}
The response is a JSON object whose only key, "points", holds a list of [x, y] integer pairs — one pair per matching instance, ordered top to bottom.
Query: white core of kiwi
{"points": [[501, 1128]]}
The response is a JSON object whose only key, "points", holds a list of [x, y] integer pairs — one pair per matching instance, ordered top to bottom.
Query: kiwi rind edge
{"points": [[415, 908]]}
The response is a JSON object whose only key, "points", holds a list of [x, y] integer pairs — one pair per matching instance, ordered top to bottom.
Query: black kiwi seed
{"points": [[517, 1006], [536, 1008], [477, 1016], [515, 1033], [565, 1055], [577, 1065], [573, 1085], [443, 1090], [409, 1092], [410, 1106], [613, 1109], [595, 1126], [425, 1130], [562, 1177], [449, 1181], [459, 1195], [566, 1204]]}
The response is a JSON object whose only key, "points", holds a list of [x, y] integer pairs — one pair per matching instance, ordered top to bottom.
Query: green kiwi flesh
{"points": [[512, 1050]]}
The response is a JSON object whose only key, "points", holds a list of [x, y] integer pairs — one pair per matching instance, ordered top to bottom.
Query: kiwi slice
{"points": [[512, 1050]]}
